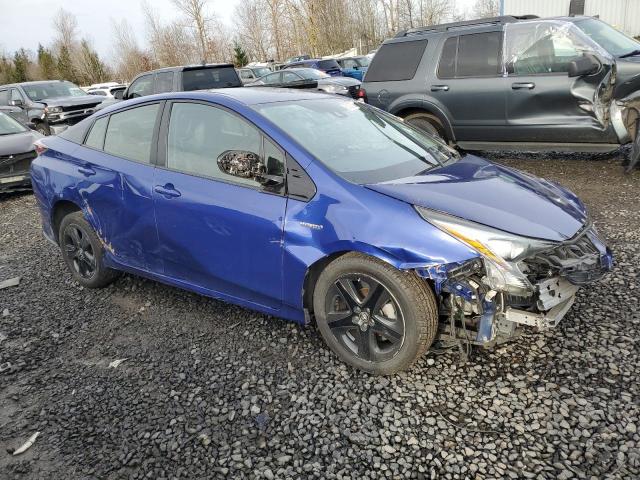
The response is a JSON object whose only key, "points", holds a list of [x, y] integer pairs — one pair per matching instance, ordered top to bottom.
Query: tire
{"points": [[427, 123], [43, 128], [85, 259], [387, 331]]}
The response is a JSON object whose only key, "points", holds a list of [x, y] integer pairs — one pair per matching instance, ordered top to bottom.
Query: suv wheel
{"points": [[427, 123], [83, 252], [373, 316]]}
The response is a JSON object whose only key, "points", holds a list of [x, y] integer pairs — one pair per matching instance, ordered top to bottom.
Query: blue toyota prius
{"points": [[316, 208]]}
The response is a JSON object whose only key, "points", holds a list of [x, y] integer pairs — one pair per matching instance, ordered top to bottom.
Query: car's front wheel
{"points": [[83, 252], [373, 316]]}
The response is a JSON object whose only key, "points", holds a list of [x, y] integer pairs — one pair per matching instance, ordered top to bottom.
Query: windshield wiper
{"points": [[633, 53]]}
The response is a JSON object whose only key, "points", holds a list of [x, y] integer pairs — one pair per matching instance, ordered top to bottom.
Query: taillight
{"points": [[362, 93], [40, 147]]}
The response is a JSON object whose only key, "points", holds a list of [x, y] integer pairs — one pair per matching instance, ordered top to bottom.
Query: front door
{"points": [[544, 104], [219, 228]]}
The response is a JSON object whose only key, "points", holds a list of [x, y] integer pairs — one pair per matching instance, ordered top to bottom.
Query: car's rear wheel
{"points": [[427, 123], [83, 252], [373, 316]]}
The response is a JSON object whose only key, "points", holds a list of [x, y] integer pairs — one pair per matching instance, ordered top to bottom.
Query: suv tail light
{"points": [[362, 94], [40, 147]]}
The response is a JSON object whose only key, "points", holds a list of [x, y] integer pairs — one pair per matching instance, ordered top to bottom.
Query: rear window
{"points": [[474, 55], [396, 61], [328, 65], [206, 78]]}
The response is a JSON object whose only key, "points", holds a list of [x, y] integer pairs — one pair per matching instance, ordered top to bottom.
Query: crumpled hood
{"points": [[71, 100], [18, 143], [499, 197]]}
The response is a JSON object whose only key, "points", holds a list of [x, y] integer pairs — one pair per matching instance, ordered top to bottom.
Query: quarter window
{"points": [[396, 61], [130, 133], [201, 135], [95, 139]]}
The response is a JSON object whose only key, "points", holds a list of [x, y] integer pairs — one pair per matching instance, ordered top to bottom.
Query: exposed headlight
{"points": [[335, 88], [54, 109], [501, 251]]}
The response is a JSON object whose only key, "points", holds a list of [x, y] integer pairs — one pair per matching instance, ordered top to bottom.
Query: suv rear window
{"points": [[473, 55], [396, 61], [328, 65], [206, 78]]}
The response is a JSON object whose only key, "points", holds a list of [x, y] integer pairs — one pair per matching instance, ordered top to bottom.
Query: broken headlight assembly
{"points": [[500, 250]]}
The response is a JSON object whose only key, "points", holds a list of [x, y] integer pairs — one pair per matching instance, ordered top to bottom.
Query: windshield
{"points": [[612, 40], [363, 61], [328, 65], [260, 72], [312, 74], [206, 78], [42, 91], [8, 125], [361, 144]]}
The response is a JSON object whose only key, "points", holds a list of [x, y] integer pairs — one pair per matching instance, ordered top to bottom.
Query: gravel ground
{"points": [[210, 390]]}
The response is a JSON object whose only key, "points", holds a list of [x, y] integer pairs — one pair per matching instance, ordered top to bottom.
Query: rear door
{"points": [[468, 82], [543, 103], [115, 171], [218, 231]]}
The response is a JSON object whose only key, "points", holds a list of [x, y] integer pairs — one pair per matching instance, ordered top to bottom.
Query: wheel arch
{"points": [[425, 106], [61, 209], [314, 270]]}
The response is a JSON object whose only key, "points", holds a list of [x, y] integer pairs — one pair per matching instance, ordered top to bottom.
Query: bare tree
{"points": [[486, 8], [195, 11], [66, 27], [131, 59]]}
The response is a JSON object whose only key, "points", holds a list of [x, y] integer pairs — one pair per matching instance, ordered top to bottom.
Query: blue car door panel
{"points": [[217, 231]]}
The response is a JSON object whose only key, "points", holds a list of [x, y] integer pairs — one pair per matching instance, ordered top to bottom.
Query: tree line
{"points": [[262, 30]]}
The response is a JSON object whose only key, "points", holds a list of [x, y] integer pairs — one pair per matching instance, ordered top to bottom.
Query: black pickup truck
{"points": [[48, 106]]}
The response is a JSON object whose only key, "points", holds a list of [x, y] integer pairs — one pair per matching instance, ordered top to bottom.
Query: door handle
{"points": [[522, 86], [439, 88], [86, 171], [168, 191]]}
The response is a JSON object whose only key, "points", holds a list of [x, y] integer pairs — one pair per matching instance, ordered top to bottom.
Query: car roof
{"points": [[180, 68], [35, 82], [243, 95]]}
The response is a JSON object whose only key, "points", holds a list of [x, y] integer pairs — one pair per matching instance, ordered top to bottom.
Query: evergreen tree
{"points": [[241, 58], [46, 63], [20, 66], [6, 70], [66, 70], [93, 70]]}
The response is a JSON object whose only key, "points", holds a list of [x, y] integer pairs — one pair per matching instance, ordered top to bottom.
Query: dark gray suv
{"points": [[522, 83]]}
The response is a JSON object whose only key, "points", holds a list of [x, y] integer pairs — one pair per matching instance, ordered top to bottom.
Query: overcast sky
{"points": [[24, 23]]}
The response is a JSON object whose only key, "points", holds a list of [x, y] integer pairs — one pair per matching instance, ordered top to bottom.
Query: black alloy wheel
{"points": [[79, 251], [364, 317]]}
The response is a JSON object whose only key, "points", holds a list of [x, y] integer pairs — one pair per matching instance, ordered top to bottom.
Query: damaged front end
{"points": [[488, 299]]}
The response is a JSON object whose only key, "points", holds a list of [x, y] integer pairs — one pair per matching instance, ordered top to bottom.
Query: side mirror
{"points": [[588, 64], [16, 103], [241, 163]]}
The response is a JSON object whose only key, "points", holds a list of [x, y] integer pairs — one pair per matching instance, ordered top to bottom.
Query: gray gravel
{"points": [[210, 390]]}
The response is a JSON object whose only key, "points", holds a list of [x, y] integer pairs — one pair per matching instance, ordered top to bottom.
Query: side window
{"points": [[539, 48], [478, 55], [396, 61], [349, 63], [447, 65], [246, 75], [289, 77], [272, 79], [164, 82], [141, 87], [16, 95], [4, 97], [130, 133], [95, 139], [209, 141]]}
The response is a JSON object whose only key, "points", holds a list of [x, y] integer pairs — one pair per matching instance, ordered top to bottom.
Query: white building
{"points": [[622, 14]]}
